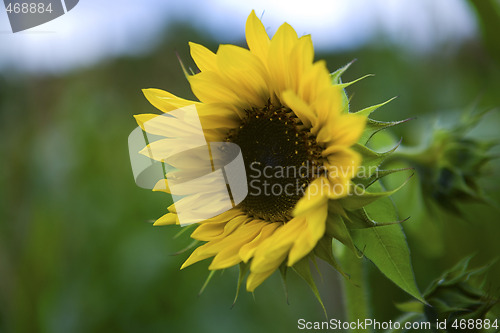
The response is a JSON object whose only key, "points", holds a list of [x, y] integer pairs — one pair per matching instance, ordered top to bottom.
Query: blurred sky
{"points": [[96, 29]]}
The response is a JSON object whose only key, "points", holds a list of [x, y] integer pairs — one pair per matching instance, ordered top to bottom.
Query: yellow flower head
{"points": [[283, 110]]}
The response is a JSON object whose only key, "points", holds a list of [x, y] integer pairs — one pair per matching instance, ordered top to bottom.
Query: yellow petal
{"points": [[257, 38], [203, 57], [279, 59], [301, 59], [244, 73], [315, 80], [209, 87], [166, 101], [328, 106], [299, 107], [219, 116], [159, 124], [347, 129], [343, 163], [340, 187], [315, 196], [224, 217], [167, 219], [234, 223], [215, 227], [208, 231], [308, 238], [212, 248], [247, 250], [200, 253], [271, 253], [229, 255], [255, 279]]}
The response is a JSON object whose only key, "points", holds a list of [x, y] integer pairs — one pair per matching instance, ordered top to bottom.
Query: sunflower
{"points": [[285, 112]]}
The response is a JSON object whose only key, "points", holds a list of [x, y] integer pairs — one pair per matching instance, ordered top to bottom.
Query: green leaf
{"points": [[386, 247], [302, 268]]}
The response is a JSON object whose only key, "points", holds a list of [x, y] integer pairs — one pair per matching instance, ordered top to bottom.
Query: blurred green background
{"points": [[78, 252]]}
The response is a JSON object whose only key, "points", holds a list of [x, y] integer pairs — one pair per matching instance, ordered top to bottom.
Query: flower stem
{"points": [[356, 297]]}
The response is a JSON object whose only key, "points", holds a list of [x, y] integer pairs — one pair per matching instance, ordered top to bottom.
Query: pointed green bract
{"points": [[335, 76], [347, 84], [369, 110], [374, 126], [371, 160], [354, 201], [336, 228], [190, 246], [324, 251], [244, 267], [302, 268], [283, 270], [209, 277]]}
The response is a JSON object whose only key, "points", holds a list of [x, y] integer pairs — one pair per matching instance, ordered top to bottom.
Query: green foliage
{"points": [[450, 163], [453, 297]]}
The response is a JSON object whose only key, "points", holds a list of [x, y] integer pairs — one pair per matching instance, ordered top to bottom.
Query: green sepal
{"points": [[335, 76], [336, 80], [347, 84], [369, 110], [374, 126], [371, 159], [367, 182], [355, 201], [360, 219], [336, 228], [185, 229], [189, 247], [324, 251], [244, 267], [303, 269], [283, 270], [207, 280]]}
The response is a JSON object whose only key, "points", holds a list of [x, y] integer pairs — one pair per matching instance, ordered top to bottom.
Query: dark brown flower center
{"points": [[281, 157]]}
